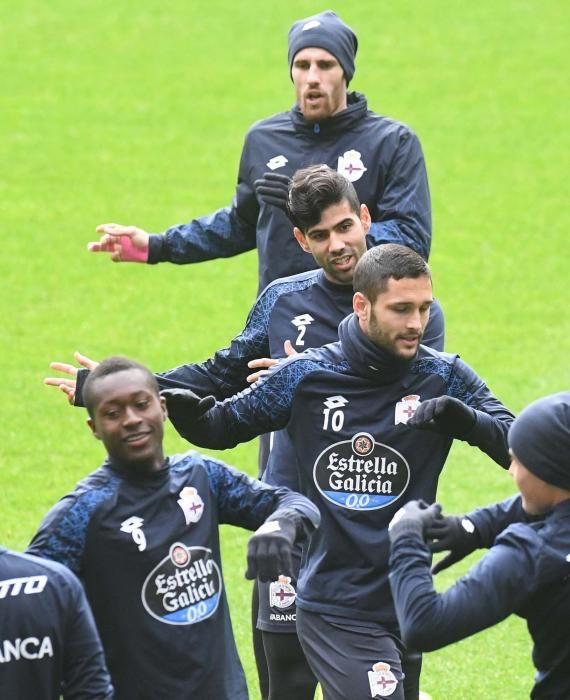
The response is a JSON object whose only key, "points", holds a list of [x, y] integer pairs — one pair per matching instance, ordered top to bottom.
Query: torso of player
{"points": [[275, 145], [309, 317], [359, 462], [152, 573]]}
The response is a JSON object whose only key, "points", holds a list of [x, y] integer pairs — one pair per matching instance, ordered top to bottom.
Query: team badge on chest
{"points": [[351, 166], [405, 408], [361, 474], [191, 503]]}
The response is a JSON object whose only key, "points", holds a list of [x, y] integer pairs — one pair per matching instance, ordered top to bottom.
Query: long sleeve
{"points": [[403, 213], [226, 232], [225, 374], [266, 406], [492, 419], [247, 502], [492, 520], [494, 588], [85, 675]]}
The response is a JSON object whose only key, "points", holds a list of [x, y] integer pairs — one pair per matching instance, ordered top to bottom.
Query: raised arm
{"points": [[226, 232], [266, 406], [469, 412], [494, 588]]}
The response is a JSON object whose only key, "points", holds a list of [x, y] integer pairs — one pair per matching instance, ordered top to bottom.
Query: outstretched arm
{"points": [[492, 590]]}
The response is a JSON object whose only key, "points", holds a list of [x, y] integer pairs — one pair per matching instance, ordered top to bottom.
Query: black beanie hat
{"points": [[325, 31], [540, 439]]}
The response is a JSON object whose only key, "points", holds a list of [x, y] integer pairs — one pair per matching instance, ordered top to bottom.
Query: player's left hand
{"points": [[273, 188], [68, 385], [184, 407], [445, 415], [414, 517], [454, 533], [269, 550]]}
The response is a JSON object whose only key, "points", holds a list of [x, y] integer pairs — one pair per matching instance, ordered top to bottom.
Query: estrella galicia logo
{"points": [[361, 474], [184, 588]]}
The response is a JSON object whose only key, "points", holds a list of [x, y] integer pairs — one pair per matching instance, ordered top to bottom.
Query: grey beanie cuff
{"points": [[324, 31]]}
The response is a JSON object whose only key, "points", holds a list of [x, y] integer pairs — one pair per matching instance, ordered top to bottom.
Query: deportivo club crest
{"points": [[351, 166], [405, 408], [361, 474], [191, 503], [184, 588], [281, 593], [382, 681]]}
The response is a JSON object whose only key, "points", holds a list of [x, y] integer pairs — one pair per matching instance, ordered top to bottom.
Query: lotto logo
{"points": [[27, 585]]}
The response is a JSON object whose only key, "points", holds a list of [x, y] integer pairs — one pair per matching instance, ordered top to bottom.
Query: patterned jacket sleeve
{"points": [[403, 213], [227, 232], [225, 374], [264, 407], [492, 419], [247, 502], [62, 533], [494, 588]]}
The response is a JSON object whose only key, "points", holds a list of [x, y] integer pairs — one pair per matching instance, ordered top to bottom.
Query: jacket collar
{"points": [[356, 110], [369, 360]]}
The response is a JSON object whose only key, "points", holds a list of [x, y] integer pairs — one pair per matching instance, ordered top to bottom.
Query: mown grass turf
{"points": [[135, 112]]}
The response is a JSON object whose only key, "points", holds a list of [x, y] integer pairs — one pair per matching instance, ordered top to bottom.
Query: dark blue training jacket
{"points": [[383, 159], [345, 407], [147, 550], [526, 571], [49, 644]]}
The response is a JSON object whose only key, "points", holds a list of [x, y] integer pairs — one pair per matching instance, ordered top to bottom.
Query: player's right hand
{"points": [[125, 243], [263, 364], [68, 385]]}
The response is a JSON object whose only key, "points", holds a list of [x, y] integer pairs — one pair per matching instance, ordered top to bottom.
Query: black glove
{"points": [[273, 189], [184, 407], [444, 415], [414, 517], [455, 533], [269, 550]]}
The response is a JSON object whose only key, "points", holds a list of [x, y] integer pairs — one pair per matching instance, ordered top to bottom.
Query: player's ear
{"points": [[365, 217], [301, 239], [361, 306], [163, 408], [91, 424]]}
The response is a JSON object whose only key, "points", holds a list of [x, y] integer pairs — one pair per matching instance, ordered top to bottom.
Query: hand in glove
{"points": [[273, 188], [184, 407], [444, 415], [414, 517], [455, 533], [269, 550]]}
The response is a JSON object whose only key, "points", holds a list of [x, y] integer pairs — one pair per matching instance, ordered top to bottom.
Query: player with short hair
{"points": [[328, 124], [303, 310], [371, 419], [142, 534], [527, 568], [49, 645]]}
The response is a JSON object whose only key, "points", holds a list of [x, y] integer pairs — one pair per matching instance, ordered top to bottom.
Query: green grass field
{"points": [[135, 112]]}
